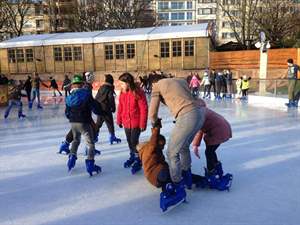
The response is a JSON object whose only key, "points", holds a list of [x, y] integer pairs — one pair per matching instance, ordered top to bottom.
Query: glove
{"points": [[157, 123], [120, 125]]}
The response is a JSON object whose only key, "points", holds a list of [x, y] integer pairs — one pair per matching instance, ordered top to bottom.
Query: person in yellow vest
{"points": [[245, 87]]}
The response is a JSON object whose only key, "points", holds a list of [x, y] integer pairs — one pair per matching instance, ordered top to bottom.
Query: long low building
{"points": [[142, 49]]}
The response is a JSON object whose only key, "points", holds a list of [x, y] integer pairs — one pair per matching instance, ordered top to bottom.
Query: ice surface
{"points": [[35, 187]]}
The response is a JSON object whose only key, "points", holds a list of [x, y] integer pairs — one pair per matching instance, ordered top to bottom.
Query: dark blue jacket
{"points": [[80, 105]]}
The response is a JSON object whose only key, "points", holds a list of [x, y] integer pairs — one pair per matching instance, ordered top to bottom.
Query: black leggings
{"points": [[244, 92], [109, 121], [132, 136], [211, 156]]}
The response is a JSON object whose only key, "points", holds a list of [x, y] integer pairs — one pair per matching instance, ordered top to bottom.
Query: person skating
{"points": [[292, 75], [36, 81], [205, 81], [88, 85], [194, 85], [66, 86], [54, 87], [245, 87], [28, 88], [106, 97], [15, 100], [79, 107], [132, 115], [189, 116], [215, 130]]}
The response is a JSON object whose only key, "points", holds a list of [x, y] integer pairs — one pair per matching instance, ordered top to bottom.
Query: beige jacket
{"points": [[175, 93]]}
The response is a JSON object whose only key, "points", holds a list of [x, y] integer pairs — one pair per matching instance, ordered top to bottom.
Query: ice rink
{"points": [[36, 189]]}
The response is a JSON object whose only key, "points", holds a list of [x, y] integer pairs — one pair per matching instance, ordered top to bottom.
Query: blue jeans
{"points": [[36, 93], [11, 103], [178, 151]]}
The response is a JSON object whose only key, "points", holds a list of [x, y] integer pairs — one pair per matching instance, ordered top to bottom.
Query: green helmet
{"points": [[77, 79]]}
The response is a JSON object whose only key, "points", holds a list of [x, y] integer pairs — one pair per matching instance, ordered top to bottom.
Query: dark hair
{"points": [[290, 61], [109, 79], [129, 79], [161, 138]]}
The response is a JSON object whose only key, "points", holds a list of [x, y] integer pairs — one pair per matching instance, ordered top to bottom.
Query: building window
{"points": [[206, 1], [163, 5], [177, 5], [189, 5], [206, 11], [189, 15], [163, 16], [177, 16], [39, 23], [176, 48], [189, 48], [164, 49], [120, 51], [130, 51], [57, 53], [77, 53], [68, 54], [109, 54], [11, 55], [20, 55], [29, 55]]}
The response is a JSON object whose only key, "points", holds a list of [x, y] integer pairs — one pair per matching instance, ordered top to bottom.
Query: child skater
{"points": [[79, 107], [132, 115], [215, 131], [156, 169]]}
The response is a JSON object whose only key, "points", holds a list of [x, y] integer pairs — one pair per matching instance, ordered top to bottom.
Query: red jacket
{"points": [[132, 109]]}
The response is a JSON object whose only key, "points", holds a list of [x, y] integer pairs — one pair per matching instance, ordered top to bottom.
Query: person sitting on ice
{"points": [[15, 99], [79, 107], [215, 130], [156, 169]]}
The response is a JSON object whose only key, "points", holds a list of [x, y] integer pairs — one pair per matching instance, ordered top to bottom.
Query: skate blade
{"points": [[170, 208]]}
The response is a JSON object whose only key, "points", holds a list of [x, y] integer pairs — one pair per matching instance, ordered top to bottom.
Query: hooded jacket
{"points": [[105, 96], [80, 105], [152, 159]]}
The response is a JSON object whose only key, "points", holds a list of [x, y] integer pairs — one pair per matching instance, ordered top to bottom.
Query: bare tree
{"points": [[15, 12], [128, 13], [89, 17], [241, 19], [279, 20]]}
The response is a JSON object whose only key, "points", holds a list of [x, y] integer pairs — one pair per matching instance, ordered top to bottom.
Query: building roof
{"points": [[151, 33]]}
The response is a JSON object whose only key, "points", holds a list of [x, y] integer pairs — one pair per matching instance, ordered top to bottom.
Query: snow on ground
{"points": [[36, 189]]}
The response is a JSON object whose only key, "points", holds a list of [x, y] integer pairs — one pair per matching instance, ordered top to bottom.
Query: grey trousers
{"points": [[84, 129], [178, 151]]}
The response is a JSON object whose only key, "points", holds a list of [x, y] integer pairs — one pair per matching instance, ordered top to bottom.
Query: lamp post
{"points": [[263, 45]]}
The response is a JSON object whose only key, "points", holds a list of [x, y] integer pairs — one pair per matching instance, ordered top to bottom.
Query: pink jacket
{"points": [[194, 82], [132, 110], [216, 129]]}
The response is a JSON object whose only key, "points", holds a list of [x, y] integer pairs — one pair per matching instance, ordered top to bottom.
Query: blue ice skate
{"points": [[30, 104], [39, 106], [21, 115], [113, 139], [64, 147], [129, 161], [71, 162], [136, 166], [92, 167], [187, 178], [216, 179], [172, 196]]}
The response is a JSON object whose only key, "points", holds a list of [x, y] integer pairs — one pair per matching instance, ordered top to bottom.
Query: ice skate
{"points": [[113, 139], [64, 147], [129, 161], [71, 162], [92, 167]]}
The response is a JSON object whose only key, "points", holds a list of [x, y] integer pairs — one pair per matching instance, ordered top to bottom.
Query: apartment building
{"points": [[172, 13]]}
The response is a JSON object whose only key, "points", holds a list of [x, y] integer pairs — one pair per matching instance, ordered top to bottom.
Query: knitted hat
{"points": [[77, 79]]}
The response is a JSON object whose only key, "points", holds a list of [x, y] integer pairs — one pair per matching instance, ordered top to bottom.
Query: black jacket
{"points": [[53, 84], [27, 85], [105, 96], [79, 106]]}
